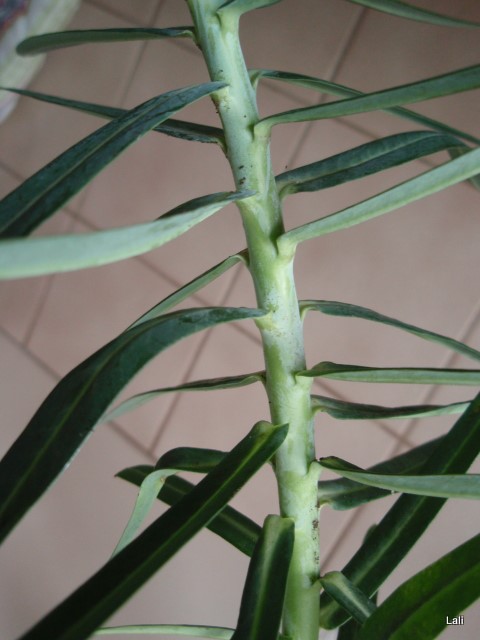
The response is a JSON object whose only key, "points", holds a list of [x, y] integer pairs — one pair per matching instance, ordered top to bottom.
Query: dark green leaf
{"points": [[410, 12], [49, 41], [444, 85], [332, 88], [171, 127], [364, 160], [425, 184], [50, 188], [20, 258], [343, 309], [403, 375], [200, 385], [73, 408], [343, 410], [194, 459], [465, 486], [346, 494], [409, 517], [229, 524], [264, 592], [348, 596], [421, 607], [81, 613], [220, 633]]}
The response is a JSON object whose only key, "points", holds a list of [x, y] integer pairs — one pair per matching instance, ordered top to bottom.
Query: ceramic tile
{"points": [[129, 9], [426, 51]]}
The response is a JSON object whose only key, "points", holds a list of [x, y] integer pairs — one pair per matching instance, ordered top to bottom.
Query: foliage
{"points": [[284, 585]]}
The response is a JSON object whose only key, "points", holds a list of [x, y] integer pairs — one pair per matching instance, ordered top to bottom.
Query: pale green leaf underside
{"points": [[242, 6], [411, 12], [49, 41], [444, 85], [332, 88], [171, 127], [365, 160], [426, 184], [41, 195], [20, 258], [192, 287], [343, 309], [402, 375], [214, 384], [72, 410], [343, 410], [439, 486], [344, 494], [409, 517], [231, 525], [264, 591], [348, 595], [87, 608], [419, 608], [197, 631]]}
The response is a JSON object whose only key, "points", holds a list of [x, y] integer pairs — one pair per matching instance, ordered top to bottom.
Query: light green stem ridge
{"points": [[272, 272]]}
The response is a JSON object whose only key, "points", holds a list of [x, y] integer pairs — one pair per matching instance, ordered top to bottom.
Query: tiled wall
{"points": [[419, 264]]}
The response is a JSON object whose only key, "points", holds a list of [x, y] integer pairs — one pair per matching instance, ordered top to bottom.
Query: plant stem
{"points": [[282, 335]]}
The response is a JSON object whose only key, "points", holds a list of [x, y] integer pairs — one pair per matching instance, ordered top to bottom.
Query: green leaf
{"points": [[240, 7], [409, 11], [49, 41], [444, 85], [332, 88], [171, 127], [364, 160], [50, 188], [402, 194], [20, 258], [192, 287], [343, 309], [403, 375], [215, 384], [73, 408], [343, 410], [195, 459], [465, 486], [344, 494], [409, 517], [229, 524], [264, 592], [348, 595], [419, 608], [82, 612], [220, 633]]}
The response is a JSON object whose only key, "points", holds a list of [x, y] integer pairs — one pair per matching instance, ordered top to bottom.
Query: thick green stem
{"points": [[282, 334]]}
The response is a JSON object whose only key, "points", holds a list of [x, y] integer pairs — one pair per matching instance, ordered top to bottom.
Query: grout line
{"points": [[114, 12], [346, 47]]}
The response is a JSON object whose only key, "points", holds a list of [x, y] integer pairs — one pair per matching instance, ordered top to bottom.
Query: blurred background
{"points": [[419, 264]]}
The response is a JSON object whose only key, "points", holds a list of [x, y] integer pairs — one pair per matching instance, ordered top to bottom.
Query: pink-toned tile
{"points": [[129, 9]]}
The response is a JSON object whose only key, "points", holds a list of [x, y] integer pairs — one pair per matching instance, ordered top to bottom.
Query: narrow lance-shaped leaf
{"points": [[240, 7], [411, 12], [49, 41], [444, 85], [333, 88], [171, 127], [365, 160], [50, 188], [409, 191], [20, 258], [192, 287], [343, 309], [403, 375], [213, 384], [73, 408], [343, 410], [465, 486], [344, 494], [405, 522], [229, 524], [264, 592], [348, 595], [423, 605], [84, 611], [198, 631]]}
